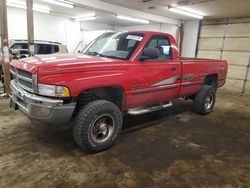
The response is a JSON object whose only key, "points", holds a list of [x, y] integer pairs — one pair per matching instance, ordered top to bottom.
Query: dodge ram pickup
{"points": [[133, 72]]}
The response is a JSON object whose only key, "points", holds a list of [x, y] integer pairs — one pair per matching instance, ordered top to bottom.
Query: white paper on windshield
{"points": [[134, 37]]}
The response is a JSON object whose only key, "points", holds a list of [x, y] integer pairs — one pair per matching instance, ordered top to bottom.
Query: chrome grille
{"points": [[25, 74], [24, 79]]}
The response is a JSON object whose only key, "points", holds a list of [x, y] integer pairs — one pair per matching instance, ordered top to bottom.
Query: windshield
{"points": [[114, 45]]}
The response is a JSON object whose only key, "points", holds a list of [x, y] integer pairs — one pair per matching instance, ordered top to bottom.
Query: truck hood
{"points": [[65, 63]]}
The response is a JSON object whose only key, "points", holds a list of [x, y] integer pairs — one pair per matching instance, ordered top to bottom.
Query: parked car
{"points": [[20, 48], [125, 72]]}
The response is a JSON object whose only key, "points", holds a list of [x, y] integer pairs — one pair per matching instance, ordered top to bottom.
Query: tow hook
{"points": [[14, 105]]}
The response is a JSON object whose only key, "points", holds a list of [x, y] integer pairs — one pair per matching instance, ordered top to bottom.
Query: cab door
{"points": [[158, 80]]}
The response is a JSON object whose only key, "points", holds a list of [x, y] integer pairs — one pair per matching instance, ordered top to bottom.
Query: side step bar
{"points": [[141, 110]]}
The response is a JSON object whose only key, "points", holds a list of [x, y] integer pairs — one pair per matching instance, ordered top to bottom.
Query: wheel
{"points": [[204, 101], [97, 126]]}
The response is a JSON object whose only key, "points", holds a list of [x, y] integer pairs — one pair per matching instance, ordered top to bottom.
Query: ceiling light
{"points": [[60, 3], [22, 5], [16, 6], [40, 8], [189, 9], [185, 11], [85, 15], [85, 18], [132, 19]]}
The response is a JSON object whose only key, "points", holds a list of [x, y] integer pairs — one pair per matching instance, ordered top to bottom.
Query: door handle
{"points": [[173, 68]]}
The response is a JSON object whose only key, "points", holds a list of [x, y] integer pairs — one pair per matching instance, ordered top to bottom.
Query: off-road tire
{"points": [[201, 100], [87, 118]]}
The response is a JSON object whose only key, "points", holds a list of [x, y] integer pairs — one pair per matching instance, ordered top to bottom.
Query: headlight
{"points": [[52, 90]]}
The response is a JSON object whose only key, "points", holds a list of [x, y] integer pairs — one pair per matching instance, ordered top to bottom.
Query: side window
{"points": [[152, 43], [162, 43], [20, 46], [56, 48], [44, 49]]}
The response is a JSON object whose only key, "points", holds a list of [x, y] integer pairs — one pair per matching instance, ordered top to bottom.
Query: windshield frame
{"points": [[113, 35]]}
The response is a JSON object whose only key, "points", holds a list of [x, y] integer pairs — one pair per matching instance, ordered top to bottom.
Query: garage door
{"points": [[230, 40]]}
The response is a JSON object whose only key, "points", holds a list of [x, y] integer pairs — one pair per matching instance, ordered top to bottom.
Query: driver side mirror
{"points": [[149, 53]]}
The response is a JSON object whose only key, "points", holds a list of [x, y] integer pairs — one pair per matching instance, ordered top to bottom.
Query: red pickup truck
{"points": [[119, 72]]}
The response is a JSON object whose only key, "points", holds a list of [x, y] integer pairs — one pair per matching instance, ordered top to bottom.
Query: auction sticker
{"points": [[134, 37]]}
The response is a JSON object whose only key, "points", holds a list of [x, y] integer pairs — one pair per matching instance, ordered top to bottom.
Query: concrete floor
{"points": [[171, 148]]}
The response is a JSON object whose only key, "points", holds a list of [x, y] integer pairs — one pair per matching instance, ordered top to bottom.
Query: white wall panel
{"points": [[17, 23], [47, 27], [238, 30], [212, 31], [190, 37], [210, 44], [237, 44], [208, 54], [237, 58], [236, 72], [248, 75], [233, 85], [247, 90]]}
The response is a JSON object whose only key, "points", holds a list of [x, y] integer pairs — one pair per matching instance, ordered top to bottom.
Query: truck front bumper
{"points": [[41, 109]]}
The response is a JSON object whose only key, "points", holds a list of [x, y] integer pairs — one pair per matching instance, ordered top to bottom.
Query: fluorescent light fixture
{"points": [[60, 3], [22, 5], [15, 6], [191, 10], [184, 11], [92, 14], [85, 17], [132, 19]]}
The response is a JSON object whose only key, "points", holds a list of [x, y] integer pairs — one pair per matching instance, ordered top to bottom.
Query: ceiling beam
{"points": [[114, 9]]}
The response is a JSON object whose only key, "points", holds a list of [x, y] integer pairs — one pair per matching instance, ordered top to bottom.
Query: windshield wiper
{"points": [[92, 53], [102, 55], [109, 56]]}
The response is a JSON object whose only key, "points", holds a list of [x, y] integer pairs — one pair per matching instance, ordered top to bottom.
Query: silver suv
{"points": [[19, 48]]}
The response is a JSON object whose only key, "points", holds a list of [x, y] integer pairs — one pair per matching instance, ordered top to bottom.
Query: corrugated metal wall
{"points": [[228, 39]]}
